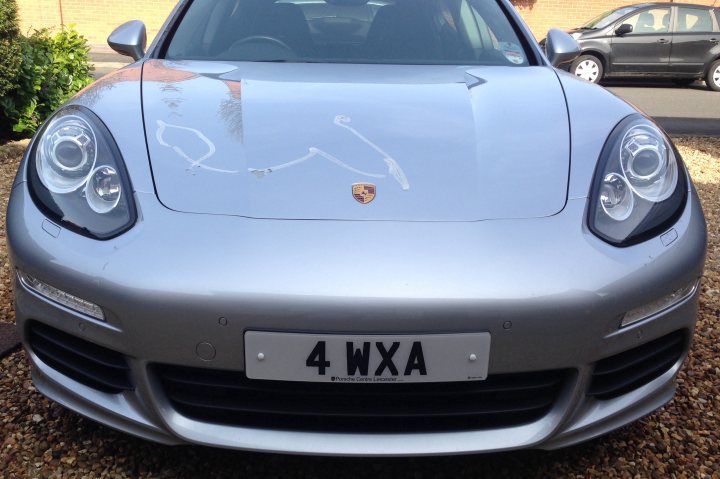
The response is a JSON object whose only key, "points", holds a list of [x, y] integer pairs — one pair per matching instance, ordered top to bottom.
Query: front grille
{"points": [[83, 361], [620, 374], [230, 398]]}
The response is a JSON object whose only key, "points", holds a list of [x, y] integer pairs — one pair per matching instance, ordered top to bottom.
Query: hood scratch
{"points": [[343, 121]]}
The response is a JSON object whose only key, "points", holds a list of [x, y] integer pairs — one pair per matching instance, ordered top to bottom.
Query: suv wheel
{"points": [[588, 67], [713, 76]]}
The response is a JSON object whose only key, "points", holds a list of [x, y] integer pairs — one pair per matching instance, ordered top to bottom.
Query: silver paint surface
{"points": [[129, 39], [561, 48], [287, 141], [515, 148]]}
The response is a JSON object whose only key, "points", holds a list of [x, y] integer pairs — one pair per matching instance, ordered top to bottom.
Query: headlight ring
{"points": [[66, 154], [648, 163], [77, 175], [640, 184]]}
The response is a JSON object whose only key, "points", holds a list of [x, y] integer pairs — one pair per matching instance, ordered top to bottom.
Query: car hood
{"points": [[582, 33], [357, 142]]}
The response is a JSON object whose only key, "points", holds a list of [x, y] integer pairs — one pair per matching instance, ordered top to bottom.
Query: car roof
{"points": [[670, 4]]}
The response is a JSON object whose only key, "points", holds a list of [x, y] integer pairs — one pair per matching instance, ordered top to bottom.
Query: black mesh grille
{"points": [[83, 361], [626, 371], [230, 398]]}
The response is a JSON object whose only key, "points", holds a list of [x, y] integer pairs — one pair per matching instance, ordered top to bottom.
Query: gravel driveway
{"points": [[41, 439]]}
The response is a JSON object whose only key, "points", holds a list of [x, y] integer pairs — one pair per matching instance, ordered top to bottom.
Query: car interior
{"points": [[689, 20], [694, 20], [650, 21], [646, 23], [372, 31]]}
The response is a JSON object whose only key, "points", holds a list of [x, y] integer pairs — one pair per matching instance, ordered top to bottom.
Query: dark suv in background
{"points": [[669, 40]]}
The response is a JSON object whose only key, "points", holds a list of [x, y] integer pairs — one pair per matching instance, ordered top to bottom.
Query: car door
{"points": [[695, 40], [646, 49]]}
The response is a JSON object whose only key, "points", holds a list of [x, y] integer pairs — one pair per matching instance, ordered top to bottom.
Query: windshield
{"points": [[609, 17], [348, 31]]}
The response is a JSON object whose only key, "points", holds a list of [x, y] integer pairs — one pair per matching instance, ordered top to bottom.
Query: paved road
{"points": [[106, 62], [692, 110]]}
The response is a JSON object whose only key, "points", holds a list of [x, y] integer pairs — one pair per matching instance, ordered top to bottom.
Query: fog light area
{"points": [[61, 297], [661, 304]]}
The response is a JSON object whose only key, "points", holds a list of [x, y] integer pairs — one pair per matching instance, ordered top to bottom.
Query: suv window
{"points": [[607, 18], [655, 20], [694, 20], [468, 32]]}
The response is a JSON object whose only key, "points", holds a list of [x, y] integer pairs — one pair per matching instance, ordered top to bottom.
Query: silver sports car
{"points": [[354, 227]]}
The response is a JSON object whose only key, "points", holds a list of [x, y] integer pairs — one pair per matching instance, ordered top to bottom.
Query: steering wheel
{"points": [[260, 39]]}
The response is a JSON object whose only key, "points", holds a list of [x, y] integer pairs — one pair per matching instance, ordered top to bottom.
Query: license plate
{"points": [[366, 358]]}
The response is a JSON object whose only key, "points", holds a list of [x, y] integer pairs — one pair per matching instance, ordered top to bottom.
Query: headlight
{"points": [[78, 177], [640, 187]]}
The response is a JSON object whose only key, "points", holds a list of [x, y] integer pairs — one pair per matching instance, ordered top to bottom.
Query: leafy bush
{"points": [[8, 18], [9, 46], [53, 68]]}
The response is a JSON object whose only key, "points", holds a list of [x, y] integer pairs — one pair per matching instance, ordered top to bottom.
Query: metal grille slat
{"points": [[80, 347], [636, 356], [80, 360], [629, 370], [237, 381], [229, 397], [330, 408]]}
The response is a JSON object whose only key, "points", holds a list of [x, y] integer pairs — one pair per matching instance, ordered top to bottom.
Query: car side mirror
{"points": [[623, 29], [129, 39], [561, 47]]}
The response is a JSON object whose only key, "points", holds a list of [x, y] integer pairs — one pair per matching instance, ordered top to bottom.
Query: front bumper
{"points": [[550, 294]]}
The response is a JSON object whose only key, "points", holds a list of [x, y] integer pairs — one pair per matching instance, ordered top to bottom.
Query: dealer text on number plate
{"points": [[366, 358]]}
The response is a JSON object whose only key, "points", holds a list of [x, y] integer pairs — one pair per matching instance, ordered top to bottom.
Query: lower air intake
{"points": [[85, 362], [620, 374], [230, 398]]}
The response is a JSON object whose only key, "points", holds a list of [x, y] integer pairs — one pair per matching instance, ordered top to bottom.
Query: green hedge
{"points": [[10, 50], [53, 68], [38, 73]]}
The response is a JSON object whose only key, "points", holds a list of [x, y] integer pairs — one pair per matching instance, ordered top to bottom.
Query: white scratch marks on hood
{"points": [[343, 121], [312, 153], [194, 163], [394, 169]]}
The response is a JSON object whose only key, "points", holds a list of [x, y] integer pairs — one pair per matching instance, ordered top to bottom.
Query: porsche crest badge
{"points": [[364, 193]]}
